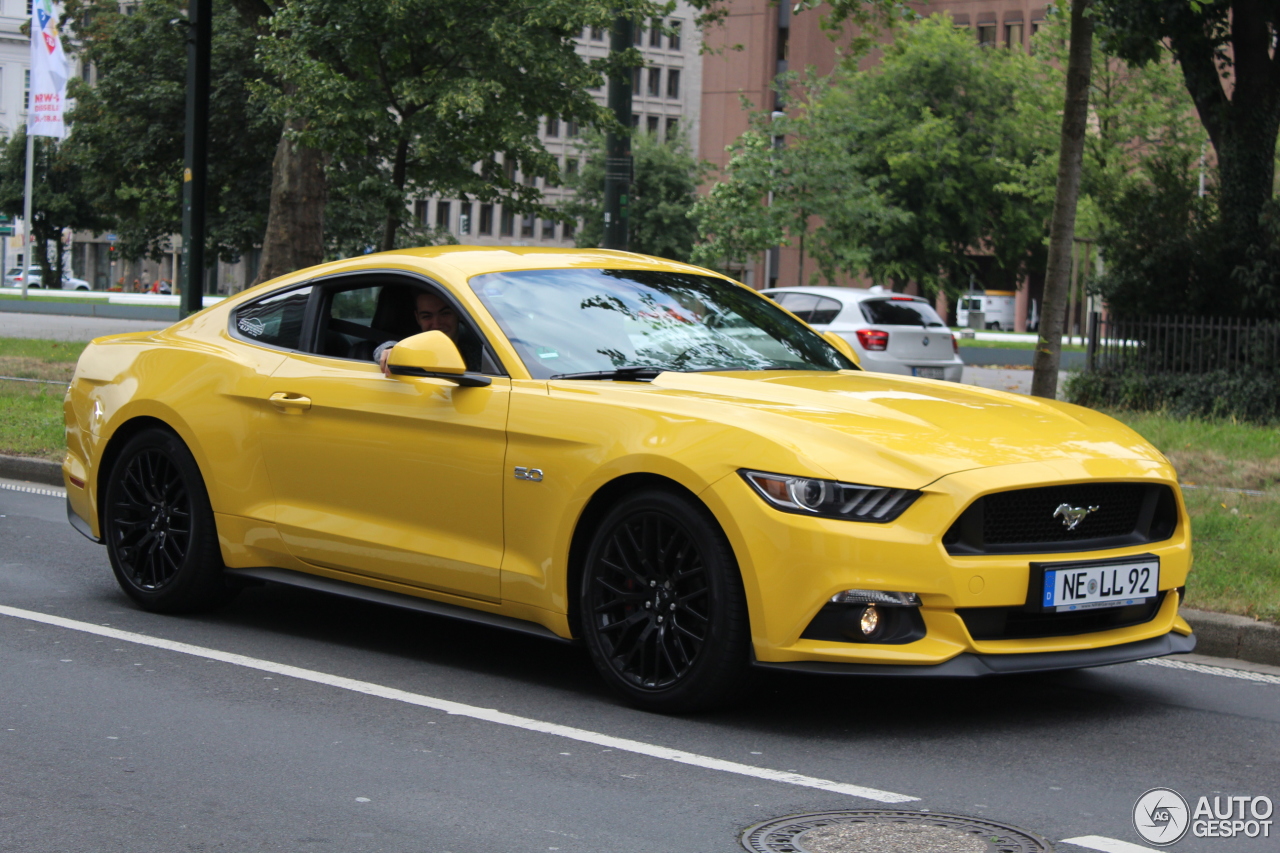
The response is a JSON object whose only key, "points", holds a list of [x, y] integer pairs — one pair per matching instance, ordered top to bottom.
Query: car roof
{"points": [[472, 260], [844, 294]]}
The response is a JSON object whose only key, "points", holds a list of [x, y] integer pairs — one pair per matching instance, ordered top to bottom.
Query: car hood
{"points": [[857, 424]]}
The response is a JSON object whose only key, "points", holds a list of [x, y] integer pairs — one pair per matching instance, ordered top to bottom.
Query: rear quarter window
{"points": [[275, 321]]}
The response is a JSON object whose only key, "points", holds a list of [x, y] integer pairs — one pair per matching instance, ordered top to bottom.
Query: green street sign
{"points": [[6, 230]]}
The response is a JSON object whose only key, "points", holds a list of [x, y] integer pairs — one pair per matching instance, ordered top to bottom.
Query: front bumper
{"points": [[792, 565], [974, 665]]}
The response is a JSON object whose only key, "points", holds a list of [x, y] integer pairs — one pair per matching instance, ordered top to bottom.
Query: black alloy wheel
{"points": [[158, 527], [662, 605]]}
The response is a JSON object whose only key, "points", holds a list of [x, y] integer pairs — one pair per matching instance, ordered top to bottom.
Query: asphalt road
{"points": [[128, 742]]}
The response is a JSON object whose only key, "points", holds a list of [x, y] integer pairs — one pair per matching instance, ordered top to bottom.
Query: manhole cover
{"points": [[887, 832]]}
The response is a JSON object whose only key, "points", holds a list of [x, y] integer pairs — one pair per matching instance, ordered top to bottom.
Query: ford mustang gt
{"points": [[641, 455]]}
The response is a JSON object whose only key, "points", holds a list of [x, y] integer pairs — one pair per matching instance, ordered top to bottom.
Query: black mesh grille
{"points": [[1027, 515], [1029, 521], [1017, 623]]}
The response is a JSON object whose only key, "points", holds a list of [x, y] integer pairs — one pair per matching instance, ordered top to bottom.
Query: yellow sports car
{"points": [[640, 454]]}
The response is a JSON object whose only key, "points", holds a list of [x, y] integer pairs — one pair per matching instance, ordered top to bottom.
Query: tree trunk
{"points": [[395, 210], [295, 220], [1062, 229]]}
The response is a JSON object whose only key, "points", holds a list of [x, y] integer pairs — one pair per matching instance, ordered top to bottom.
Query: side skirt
{"points": [[394, 599]]}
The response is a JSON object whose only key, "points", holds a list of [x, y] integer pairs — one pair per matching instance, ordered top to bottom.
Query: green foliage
{"points": [[414, 94], [127, 128], [900, 171], [665, 179], [59, 198], [1253, 397]]}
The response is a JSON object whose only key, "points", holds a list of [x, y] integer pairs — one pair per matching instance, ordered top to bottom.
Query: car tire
{"points": [[158, 527], [663, 610]]}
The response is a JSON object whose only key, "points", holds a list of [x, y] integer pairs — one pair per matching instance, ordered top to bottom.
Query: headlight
{"points": [[831, 499]]}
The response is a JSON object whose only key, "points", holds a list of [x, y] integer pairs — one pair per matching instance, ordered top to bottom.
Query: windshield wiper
{"points": [[626, 374]]}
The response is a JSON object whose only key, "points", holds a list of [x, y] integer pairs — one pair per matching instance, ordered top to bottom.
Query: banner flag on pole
{"points": [[49, 72]]}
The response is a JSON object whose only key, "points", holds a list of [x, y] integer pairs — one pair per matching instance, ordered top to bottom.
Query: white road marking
{"points": [[48, 492], [1206, 669], [488, 715], [1107, 845]]}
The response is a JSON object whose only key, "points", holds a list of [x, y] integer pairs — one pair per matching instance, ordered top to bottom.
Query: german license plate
{"points": [[928, 372], [1099, 583]]}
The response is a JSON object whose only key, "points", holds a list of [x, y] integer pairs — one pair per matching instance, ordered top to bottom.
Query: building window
{"points": [[655, 33], [597, 34], [987, 35], [1013, 35], [639, 36], [673, 40], [635, 80], [26, 81], [655, 82], [673, 83], [635, 119], [652, 125], [553, 126], [673, 128], [571, 129], [571, 166], [509, 169], [420, 211], [442, 214], [464, 217], [486, 219], [508, 225], [526, 225], [570, 228], [548, 229]]}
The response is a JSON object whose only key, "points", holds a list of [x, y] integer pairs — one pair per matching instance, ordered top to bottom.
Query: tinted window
{"points": [[800, 304], [825, 311], [899, 312], [579, 320], [275, 321]]}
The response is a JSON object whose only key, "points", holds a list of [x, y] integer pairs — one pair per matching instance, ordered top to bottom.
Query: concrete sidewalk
{"points": [[67, 327]]}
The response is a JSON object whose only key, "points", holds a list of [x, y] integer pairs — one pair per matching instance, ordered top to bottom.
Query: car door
{"points": [[396, 479]]}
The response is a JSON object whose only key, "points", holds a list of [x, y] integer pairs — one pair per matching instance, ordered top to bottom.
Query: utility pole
{"points": [[617, 162], [195, 175]]}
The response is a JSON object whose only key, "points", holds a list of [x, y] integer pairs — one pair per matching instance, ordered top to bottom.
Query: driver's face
{"points": [[436, 315]]}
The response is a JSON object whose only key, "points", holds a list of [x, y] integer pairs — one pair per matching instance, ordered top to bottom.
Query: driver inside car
{"points": [[432, 314]]}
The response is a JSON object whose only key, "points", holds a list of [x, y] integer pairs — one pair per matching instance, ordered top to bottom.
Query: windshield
{"points": [[582, 320]]}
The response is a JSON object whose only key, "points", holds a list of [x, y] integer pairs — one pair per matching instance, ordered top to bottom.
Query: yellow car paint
{"points": [[323, 465]]}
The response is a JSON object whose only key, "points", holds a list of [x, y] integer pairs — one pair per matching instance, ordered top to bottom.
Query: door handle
{"points": [[287, 402]]}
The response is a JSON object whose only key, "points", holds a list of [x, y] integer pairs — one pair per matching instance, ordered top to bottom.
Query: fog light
{"points": [[876, 596], [870, 620]]}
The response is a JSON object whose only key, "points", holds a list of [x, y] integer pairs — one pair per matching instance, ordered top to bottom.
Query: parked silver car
{"points": [[13, 278], [891, 332]]}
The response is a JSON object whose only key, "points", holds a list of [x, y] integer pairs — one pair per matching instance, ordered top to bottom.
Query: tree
{"points": [[1225, 49], [423, 90], [1075, 117], [127, 128], [899, 171], [663, 191], [59, 199]]}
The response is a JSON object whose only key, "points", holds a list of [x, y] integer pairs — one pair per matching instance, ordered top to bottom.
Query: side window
{"points": [[800, 304], [825, 310], [275, 321]]}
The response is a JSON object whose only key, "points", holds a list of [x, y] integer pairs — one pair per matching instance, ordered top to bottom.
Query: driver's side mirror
{"points": [[846, 349], [435, 355]]}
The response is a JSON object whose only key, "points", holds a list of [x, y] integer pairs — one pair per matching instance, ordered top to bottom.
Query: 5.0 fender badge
{"points": [[534, 474], [1072, 515]]}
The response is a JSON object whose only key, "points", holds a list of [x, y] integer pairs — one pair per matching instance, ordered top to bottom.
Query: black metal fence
{"points": [[1169, 344]]}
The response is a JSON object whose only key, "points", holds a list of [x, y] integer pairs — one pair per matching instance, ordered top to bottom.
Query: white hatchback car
{"points": [[13, 278], [892, 332]]}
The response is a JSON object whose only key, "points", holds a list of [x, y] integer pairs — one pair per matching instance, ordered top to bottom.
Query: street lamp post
{"points": [[196, 171]]}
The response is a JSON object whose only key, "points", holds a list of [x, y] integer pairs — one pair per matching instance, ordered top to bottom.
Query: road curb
{"points": [[32, 470], [1217, 634], [1225, 636]]}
